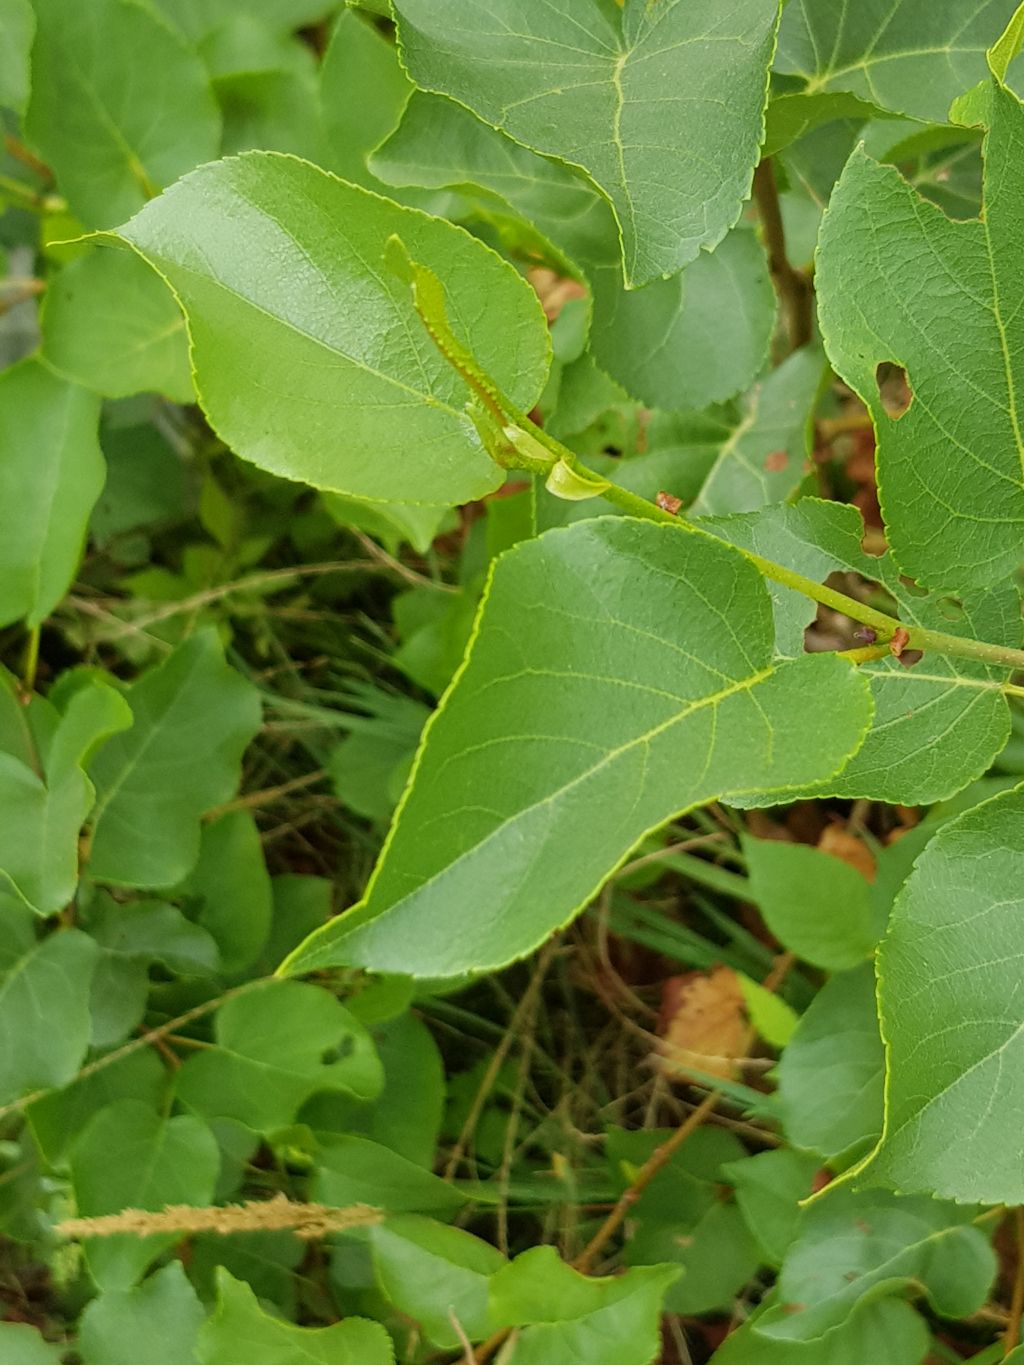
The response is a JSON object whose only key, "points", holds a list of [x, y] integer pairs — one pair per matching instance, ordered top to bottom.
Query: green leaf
{"points": [[199, 18], [17, 28], [911, 58], [579, 87], [362, 91], [120, 105], [899, 282], [110, 324], [692, 340], [689, 341], [279, 374], [765, 458], [51, 473], [391, 522], [653, 702], [194, 717], [938, 724], [45, 794], [232, 887], [816, 906], [131, 938], [948, 1001], [44, 1012], [275, 1046], [830, 1075], [58, 1117], [131, 1158], [353, 1170], [769, 1188], [681, 1218], [853, 1247], [436, 1274], [566, 1315], [158, 1321], [884, 1331], [241, 1333], [23, 1345]]}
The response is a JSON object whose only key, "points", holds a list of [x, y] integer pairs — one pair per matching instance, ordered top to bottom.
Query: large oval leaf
{"points": [[309, 357], [620, 672]]}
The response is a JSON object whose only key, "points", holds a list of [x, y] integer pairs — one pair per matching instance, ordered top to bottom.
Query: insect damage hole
{"points": [[894, 388]]}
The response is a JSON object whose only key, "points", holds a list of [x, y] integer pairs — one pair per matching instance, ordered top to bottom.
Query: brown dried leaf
{"points": [[841, 844], [703, 1023]]}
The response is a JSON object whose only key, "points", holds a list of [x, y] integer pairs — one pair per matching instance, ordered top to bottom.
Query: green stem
{"points": [[886, 626], [28, 675]]}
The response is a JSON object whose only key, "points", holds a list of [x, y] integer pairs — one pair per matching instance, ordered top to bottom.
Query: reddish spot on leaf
{"points": [[776, 462], [669, 503]]}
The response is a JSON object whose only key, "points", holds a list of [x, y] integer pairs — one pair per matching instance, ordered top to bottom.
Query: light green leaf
{"points": [[17, 27], [907, 56], [607, 91], [120, 106], [791, 116], [899, 282], [110, 324], [354, 396], [766, 457], [51, 473], [653, 702], [194, 716], [938, 724], [45, 794], [232, 886], [816, 906], [949, 1004], [44, 1012], [771, 1018], [275, 1046], [830, 1075], [130, 1157], [353, 1170], [769, 1188], [854, 1247], [434, 1274], [566, 1315], [158, 1322], [884, 1331], [241, 1333], [23, 1345]]}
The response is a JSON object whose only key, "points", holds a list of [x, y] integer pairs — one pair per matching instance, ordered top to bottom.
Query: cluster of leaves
{"points": [[426, 486]]}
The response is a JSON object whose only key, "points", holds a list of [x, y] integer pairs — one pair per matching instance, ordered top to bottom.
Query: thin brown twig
{"points": [[794, 288], [266, 797], [497, 1061]]}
